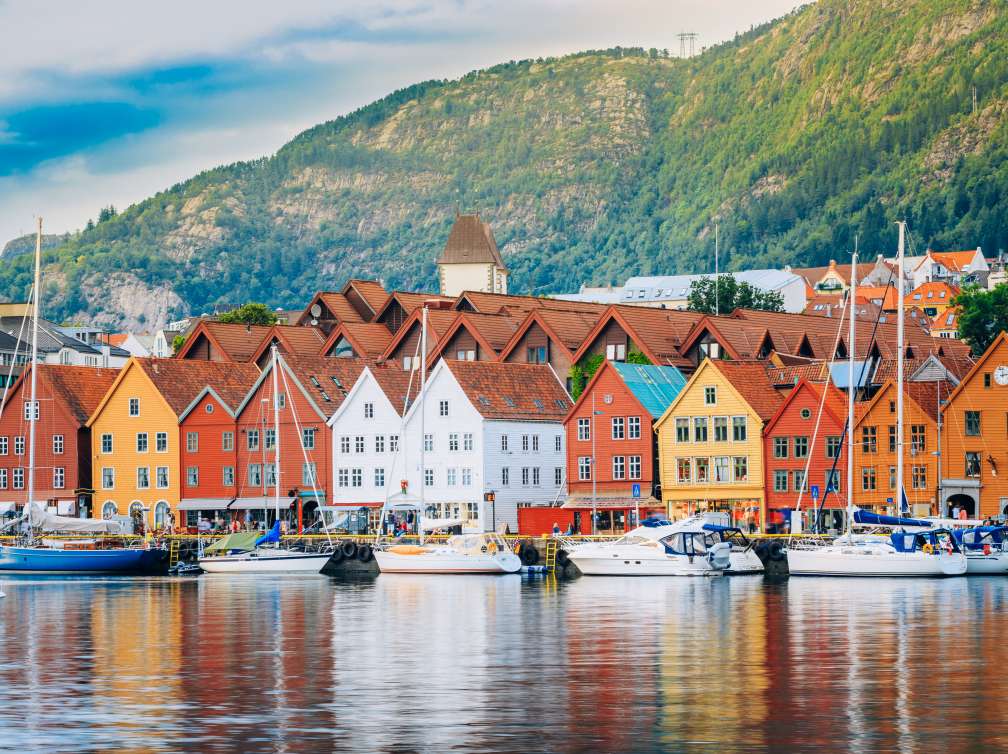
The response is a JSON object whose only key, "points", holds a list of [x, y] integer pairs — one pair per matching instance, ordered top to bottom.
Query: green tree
{"points": [[727, 294], [250, 314], [982, 315], [177, 342]]}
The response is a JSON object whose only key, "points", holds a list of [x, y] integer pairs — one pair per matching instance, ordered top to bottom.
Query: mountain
{"points": [[795, 137], [26, 244]]}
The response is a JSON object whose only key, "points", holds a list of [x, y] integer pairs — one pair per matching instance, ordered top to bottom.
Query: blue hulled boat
{"points": [[57, 560]]}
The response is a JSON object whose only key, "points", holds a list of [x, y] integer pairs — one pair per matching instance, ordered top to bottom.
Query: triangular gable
{"points": [[612, 313], [533, 318], [461, 322], [200, 331], [341, 332], [1001, 339], [132, 363], [706, 364], [441, 366], [267, 372], [363, 377], [21, 380], [591, 384], [804, 384], [208, 390], [875, 399]]}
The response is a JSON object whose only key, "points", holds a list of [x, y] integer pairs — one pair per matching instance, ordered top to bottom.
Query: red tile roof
{"points": [[471, 242], [373, 292], [493, 303], [292, 339], [369, 339], [237, 342], [750, 379], [180, 380], [327, 381], [395, 382], [80, 388], [516, 392], [928, 394]]}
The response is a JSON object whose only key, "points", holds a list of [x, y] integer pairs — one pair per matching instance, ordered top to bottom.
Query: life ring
{"points": [[492, 548], [927, 548], [349, 550]]}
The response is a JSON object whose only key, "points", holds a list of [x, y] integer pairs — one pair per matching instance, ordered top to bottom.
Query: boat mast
{"points": [[851, 351], [899, 370], [423, 406], [33, 411], [276, 434]]}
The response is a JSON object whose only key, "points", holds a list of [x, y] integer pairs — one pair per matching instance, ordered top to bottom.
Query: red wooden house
{"points": [[66, 397], [791, 442]]}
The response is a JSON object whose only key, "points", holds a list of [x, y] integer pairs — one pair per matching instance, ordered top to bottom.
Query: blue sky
{"points": [[107, 102]]}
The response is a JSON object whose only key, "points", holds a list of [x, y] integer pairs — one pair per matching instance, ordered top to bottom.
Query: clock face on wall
{"points": [[1001, 375]]}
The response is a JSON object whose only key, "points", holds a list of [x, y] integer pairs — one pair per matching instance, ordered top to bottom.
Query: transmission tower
{"points": [[687, 36]]}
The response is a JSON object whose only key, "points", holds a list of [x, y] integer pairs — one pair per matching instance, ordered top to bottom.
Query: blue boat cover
{"points": [[876, 519], [654, 523], [719, 527], [273, 535], [976, 537]]}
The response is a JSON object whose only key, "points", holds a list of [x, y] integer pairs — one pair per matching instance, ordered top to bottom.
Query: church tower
{"points": [[471, 260]]}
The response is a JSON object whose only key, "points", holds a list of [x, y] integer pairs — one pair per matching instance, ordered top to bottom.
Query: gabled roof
{"points": [[471, 242], [957, 261], [813, 275], [371, 292], [934, 292], [410, 301], [336, 303], [494, 303], [947, 320], [438, 322], [566, 329], [492, 331], [658, 332], [369, 339], [741, 340], [303, 341], [999, 341], [237, 342], [816, 371], [750, 380], [324, 382], [396, 383], [654, 387], [81, 389], [509, 391], [923, 394], [835, 405]]}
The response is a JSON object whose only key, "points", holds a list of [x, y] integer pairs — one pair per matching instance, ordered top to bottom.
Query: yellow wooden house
{"points": [[710, 445]]}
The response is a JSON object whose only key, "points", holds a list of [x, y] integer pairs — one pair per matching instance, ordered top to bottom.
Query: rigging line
{"points": [[17, 345]]}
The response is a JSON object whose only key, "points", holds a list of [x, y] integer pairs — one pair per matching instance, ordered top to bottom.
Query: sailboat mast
{"points": [[851, 351], [899, 370], [423, 406], [33, 414], [276, 433]]}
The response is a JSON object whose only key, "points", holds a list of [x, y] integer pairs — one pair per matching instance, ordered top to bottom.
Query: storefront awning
{"points": [[258, 503], [612, 503], [205, 504]]}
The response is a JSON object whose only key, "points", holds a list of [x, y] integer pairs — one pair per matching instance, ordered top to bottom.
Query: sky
{"points": [[108, 102]]}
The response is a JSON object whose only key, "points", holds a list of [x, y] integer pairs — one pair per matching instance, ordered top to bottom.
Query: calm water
{"points": [[435, 664]]}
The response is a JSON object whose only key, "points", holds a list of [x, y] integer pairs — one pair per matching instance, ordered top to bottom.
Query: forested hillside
{"points": [[795, 137]]}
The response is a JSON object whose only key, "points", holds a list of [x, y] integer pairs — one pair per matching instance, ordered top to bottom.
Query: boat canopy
{"points": [[41, 518], [867, 518], [430, 524], [977, 537], [243, 541], [903, 541]]}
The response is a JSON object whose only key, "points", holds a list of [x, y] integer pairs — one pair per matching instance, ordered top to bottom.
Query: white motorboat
{"points": [[656, 548], [985, 548], [251, 552], [463, 553], [743, 558]]}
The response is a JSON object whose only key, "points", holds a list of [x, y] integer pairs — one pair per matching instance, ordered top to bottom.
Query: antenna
{"points": [[684, 36]]}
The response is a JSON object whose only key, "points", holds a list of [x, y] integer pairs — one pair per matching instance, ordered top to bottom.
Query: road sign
{"points": [[635, 490], [815, 491], [889, 500]]}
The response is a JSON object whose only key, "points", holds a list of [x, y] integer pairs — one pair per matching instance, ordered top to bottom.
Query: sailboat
{"points": [[44, 546], [913, 547], [252, 552], [485, 553]]}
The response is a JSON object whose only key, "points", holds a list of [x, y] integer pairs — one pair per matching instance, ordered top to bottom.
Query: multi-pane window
{"points": [[536, 355], [710, 395], [134, 407], [442, 408], [369, 410], [30, 415], [973, 423], [618, 428], [633, 428], [739, 428], [584, 429], [682, 429], [700, 429], [720, 429], [269, 438], [308, 438], [892, 438], [918, 438], [252, 439], [869, 440], [192, 441], [227, 441], [453, 441], [467, 441], [504, 441], [141, 442], [161, 442], [106, 443], [379, 443], [393, 443], [428, 443], [525, 443], [535, 443], [558, 443], [344, 444], [359, 444], [19, 445], [57, 445], [3, 446], [833, 446], [780, 447], [801, 447], [972, 465], [634, 466], [619, 467], [701, 467], [584, 468], [741, 468], [721, 469], [683, 473], [308, 474], [255, 475], [271, 475], [918, 475], [192, 476], [228, 476], [505, 476], [525, 476], [535, 476], [557, 476], [58, 477], [143, 477], [161, 477], [343, 477], [356, 477], [379, 477], [428, 477], [451, 477], [467, 477], [892, 477], [18, 478], [107, 478], [868, 478], [3, 479], [780, 480], [799, 481], [832, 481]]}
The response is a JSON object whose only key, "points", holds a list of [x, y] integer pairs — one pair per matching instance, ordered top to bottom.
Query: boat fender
{"points": [[948, 547], [760, 548], [927, 548], [986, 549], [349, 550], [775, 551], [364, 553], [337, 555], [529, 555], [562, 557]]}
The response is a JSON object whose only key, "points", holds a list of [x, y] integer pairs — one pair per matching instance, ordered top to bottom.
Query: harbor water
{"points": [[403, 663]]}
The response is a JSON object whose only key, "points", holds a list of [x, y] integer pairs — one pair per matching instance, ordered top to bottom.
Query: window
{"points": [[616, 352], [466, 355], [536, 355], [409, 364], [987, 379], [710, 395], [282, 398], [134, 407], [209, 408], [442, 408], [369, 410], [805, 413], [30, 415], [973, 423], [618, 428], [633, 428], [739, 428], [682, 429], [700, 429], [720, 429], [584, 430], [269, 438], [308, 438], [892, 438], [918, 438], [252, 440], [869, 440], [191, 441], [453, 441], [467, 441], [161, 442], [504, 442], [106, 443], [393, 443], [428, 443], [525, 443], [535, 443], [558, 443], [344, 444], [359, 444], [379, 444], [19, 445], [57, 445], [3, 446], [832, 446], [780, 447], [801, 447], [634, 464], [972, 465], [618, 467], [584, 468], [741, 468], [721, 469], [683, 471], [308, 474], [18, 475], [255, 475], [918, 475], [192, 476], [228, 476], [505, 476], [525, 476], [535, 476], [557, 476], [58, 477], [143, 477], [161, 477], [343, 477], [356, 477], [379, 477], [428, 477], [451, 477], [467, 477], [892, 477], [107, 478], [868, 478], [3, 479], [780, 480], [832, 481], [800, 484]]}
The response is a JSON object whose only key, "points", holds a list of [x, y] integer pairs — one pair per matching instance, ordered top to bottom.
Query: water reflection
{"points": [[419, 663]]}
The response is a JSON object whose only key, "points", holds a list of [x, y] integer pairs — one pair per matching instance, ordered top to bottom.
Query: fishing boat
{"points": [[60, 544], [656, 548]]}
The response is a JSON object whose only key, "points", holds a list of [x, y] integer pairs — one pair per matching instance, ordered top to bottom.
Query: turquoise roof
{"points": [[654, 386]]}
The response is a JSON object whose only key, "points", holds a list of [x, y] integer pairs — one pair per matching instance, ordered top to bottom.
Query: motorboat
{"points": [[656, 548], [985, 548], [252, 552], [485, 553], [743, 557]]}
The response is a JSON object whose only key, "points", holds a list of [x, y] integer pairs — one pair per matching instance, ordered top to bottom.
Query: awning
{"points": [[320, 495], [258, 503], [612, 503], [204, 504], [338, 507]]}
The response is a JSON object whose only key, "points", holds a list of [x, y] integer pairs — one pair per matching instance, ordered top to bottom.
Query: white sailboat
{"points": [[912, 548], [247, 552]]}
